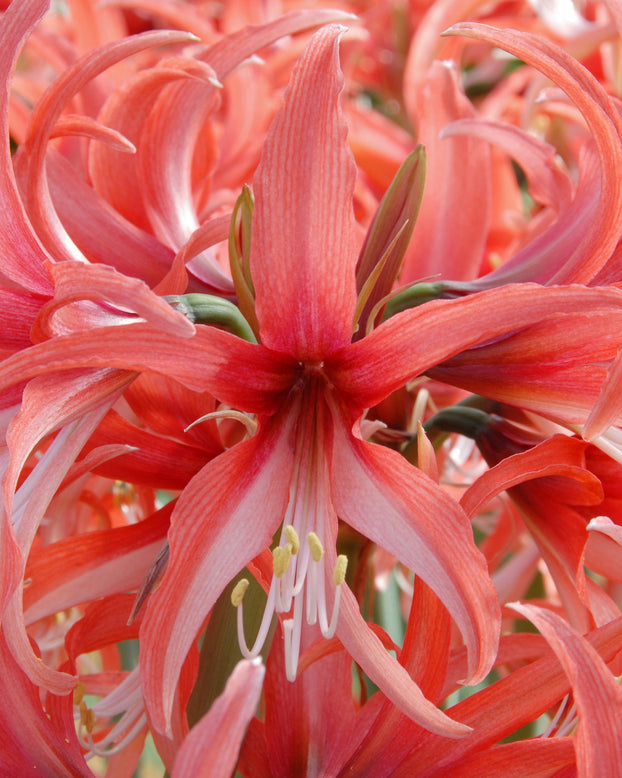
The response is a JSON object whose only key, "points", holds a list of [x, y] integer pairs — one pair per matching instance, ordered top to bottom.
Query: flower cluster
{"points": [[310, 388]]}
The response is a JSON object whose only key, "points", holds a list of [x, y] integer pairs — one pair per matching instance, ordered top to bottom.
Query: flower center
{"points": [[299, 579]]}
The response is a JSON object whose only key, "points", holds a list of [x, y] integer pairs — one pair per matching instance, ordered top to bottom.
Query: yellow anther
{"points": [[292, 538], [317, 549], [280, 559], [339, 574], [239, 590], [78, 693], [87, 717], [89, 722]]}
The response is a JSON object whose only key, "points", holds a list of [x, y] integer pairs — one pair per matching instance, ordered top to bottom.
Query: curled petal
{"points": [[45, 114], [595, 245], [22, 256], [603, 551], [597, 693]]}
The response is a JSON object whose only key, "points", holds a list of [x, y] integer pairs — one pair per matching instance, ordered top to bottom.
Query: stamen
{"points": [[292, 538], [317, 549], [280, 559], [339, 574], [239, 590], [78, 693], [87, 717]]}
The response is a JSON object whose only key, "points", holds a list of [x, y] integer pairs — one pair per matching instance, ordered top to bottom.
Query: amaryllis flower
{"points": [[309, 385], [307, 464]]}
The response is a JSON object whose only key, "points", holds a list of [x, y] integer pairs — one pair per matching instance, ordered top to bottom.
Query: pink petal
{"points": [[229, 52], [166, 152], [117, 178], [548, 184], [457, 186], [37, 197], [101, 233], [303, 238], [599, 240], [22, 255], [76, 281], [413, 341], [244, 375], [51, 402], [608, 408], [557, 456], [379, 494], [224, 518], [603, 551], [92, 565], [385, 671], [597, 693], [500, 709], [308, 722], [31, 745], [211, 748], [530, 758]]}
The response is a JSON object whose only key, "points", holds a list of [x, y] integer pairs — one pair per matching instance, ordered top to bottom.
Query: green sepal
{"points": [[382, 254], [240, 256], [413, 296], [209, 309], [465, 418]]}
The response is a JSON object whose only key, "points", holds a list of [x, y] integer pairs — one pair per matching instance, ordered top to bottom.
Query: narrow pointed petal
{"points": [[229, 52], [548, 184], [457, 188], [37, 195], [101, 233], [303, 239], [76, 281], [408, 343], [244, 375], [51, 402], [608, 408], [557, 456], [379, 494], [225, 517], [603, 551], [92, 565], [385, 671], [533, 689], [597, 693], [318, 703], [211, 748], [529, 758]]}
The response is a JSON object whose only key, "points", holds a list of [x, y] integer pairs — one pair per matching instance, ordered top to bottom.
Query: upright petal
{"points": [[457, 188], [303, 238]]}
